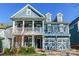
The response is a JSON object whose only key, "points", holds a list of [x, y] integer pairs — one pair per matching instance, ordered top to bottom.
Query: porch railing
{"points": [[27, 29], [38, 29]]}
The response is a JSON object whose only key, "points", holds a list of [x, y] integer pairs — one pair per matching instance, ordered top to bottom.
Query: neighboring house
{"points": [[31, 26], [74, 31], [5, 34]]}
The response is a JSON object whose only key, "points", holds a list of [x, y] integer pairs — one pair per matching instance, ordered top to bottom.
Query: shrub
{"points": [[23, 50], [30, 50], [6, 51], [13, 51]]}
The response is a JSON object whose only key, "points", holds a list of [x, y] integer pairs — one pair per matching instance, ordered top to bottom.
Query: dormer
{"points": [[48, 17], [59, 17]]}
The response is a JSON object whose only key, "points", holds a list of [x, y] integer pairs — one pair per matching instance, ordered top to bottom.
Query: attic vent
{"points": [[28, 12]]}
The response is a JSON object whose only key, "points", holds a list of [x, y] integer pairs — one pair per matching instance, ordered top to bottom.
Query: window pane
{"points": [[47, 40]]}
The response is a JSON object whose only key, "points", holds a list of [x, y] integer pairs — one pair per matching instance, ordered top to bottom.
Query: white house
{"points": [[31, 26]]}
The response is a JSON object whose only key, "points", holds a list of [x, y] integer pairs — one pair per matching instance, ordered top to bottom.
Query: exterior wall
{"points": [[23, 14], [74, 34], [58, 39], [5, 41]]}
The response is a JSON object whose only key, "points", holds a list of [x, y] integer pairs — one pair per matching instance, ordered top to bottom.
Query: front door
{"points": [[38, 42]]}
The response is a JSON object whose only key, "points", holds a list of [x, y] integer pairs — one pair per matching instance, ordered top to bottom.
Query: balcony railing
{"points": [[28, 29], [38, 29], [18, 30]]}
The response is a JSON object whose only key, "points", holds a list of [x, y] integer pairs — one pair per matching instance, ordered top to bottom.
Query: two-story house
{"points": [[32, 27], [74, 31]]}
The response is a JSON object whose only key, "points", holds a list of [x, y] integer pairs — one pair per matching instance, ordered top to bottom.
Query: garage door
{"points": [[49, 43], [62, 43]]}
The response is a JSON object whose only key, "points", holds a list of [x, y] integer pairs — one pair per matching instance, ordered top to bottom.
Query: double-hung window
{"points": [[49, 28]]}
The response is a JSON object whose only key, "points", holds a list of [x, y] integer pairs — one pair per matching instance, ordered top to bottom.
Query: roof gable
{"points": [[22, 12]]}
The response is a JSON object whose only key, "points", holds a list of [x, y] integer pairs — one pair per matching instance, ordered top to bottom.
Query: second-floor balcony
{"points": [[28, 29]]}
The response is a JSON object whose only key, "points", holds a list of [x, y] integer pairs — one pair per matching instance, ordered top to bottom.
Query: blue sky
{"points": [[70, 11]]}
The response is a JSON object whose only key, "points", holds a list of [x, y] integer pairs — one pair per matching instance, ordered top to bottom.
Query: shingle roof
{"points": [[74, 21], [4, 26]]}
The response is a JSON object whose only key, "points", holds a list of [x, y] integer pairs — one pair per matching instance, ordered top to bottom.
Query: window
{"points": [[28, 12], [19, 23], [28, 24], [38, 24], [49, 28], [61, 28], [55, 29], [28, 41]]}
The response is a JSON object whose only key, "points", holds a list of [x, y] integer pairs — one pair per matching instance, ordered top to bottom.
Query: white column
{"points": [[33, 25], [43, 25], [13, 26], [23, 28], [22, 34], [12, 41], [43, 42], [33, 43]]}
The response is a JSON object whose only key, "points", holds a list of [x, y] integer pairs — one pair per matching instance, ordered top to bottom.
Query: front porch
{"points": [[24, 41]]}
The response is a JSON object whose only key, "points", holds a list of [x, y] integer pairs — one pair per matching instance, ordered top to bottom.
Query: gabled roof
{"points": [[32, 8], [74, 21]]}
